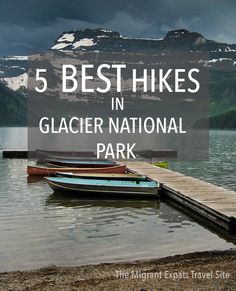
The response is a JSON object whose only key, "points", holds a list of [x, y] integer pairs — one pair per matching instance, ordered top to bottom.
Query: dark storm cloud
{"points": [[28, 26]]}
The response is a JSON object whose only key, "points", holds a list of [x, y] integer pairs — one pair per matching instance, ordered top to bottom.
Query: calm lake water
{"points": [[221, 167], [39, 228]]}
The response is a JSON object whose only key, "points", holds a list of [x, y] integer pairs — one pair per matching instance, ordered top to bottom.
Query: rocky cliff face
{"points": [[105, 40], [222, 56], [221, 61]]}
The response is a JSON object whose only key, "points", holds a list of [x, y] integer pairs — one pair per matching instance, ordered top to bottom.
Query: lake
{"points": [[221, 167], [39, 228]]}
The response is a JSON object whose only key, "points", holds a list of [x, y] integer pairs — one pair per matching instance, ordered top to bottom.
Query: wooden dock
{"points": [[17, 154], [212, 203]]}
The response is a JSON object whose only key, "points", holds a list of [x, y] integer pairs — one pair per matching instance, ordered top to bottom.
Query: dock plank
{"points": [[213, 202]]}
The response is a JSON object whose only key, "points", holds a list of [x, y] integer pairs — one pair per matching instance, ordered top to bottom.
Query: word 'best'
{"points": [[150, 80]]}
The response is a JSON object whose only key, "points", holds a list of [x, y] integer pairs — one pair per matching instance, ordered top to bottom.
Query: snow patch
{"points": [[105, 30], [101, 36], [69, 37], [141, 38], [83, 42], [59, 46], [228, 49], [16, 58], [219, 60], [16, 67], [15, 83], [189, 100]]}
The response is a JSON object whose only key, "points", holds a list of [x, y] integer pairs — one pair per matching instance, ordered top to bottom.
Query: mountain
{"points": [[106, 40], [221, 55], [221, 62], [13, 66], [16, 83], [222, 91], [12, 107], [225, 120]]}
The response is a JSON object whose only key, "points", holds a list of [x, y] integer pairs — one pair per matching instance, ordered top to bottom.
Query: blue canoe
{"points": [[104, 176], [98, 186]]}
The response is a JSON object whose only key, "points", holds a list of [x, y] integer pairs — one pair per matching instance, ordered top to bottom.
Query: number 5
{"points": [[38, 78]]}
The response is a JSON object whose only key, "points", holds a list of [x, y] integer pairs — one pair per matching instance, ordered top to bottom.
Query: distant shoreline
{"points": [[200, 270]]}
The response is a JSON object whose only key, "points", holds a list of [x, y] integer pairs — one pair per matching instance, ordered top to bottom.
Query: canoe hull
{"points": [[80, 163], [46, 171], [104, 176], [99, 190]]}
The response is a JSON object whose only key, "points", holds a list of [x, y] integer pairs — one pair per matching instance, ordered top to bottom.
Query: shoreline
{"points": [[211, 270]]}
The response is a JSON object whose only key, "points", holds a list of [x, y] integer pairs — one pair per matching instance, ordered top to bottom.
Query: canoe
{"points": [[46, 153], [70, 158], [70, 161], [81, 163], [52, 165], [48, 171], [104, 176], [98, 186]]}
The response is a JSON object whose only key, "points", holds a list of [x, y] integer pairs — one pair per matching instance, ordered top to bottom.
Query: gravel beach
{"points": [[214, 270]]}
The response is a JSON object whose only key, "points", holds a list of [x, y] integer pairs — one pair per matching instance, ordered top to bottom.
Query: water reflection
{"points": [[34, 179], [64, 200], [111, 210], [39, 228]]}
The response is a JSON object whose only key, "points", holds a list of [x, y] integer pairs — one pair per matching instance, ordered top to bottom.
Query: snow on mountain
{"points": [[66, 37], [94, 39], [179, 40], [63, 41], [83, 42], [75, 45], [59, 46], [222, 56], [14, 58], [219, 60], [12, 66], [16, 83]]}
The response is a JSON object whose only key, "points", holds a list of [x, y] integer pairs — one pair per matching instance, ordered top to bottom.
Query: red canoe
{"points": [[45, 171]]}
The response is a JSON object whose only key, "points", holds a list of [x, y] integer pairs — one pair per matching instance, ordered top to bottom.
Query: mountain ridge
{"points": [[107, 40], [222, 61]]}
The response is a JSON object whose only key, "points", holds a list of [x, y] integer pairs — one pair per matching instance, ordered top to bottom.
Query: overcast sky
{"points": [[32, 25]]}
